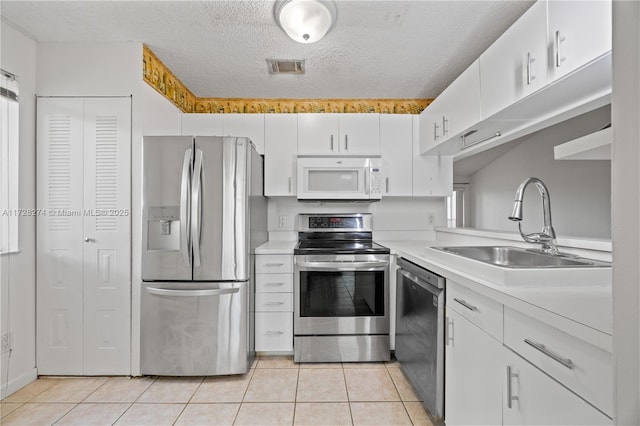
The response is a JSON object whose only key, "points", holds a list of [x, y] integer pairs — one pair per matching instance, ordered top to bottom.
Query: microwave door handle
{"points": [[367, 171], [196, 207], [185, 213]]}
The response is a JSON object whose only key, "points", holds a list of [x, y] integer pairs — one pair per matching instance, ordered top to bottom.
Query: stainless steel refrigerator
{"points": [[204, 212]]}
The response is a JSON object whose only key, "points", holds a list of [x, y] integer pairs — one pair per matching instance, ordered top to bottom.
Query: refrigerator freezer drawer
{"points": [[195, 329]]}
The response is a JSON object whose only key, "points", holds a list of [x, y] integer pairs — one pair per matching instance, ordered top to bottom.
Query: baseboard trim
{"points": [[18, 383]]}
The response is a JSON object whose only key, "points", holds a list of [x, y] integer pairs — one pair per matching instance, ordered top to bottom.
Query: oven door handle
{"points": [[343, 266]]}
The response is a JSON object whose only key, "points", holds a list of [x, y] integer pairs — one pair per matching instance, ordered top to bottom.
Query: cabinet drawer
{"points": [[274, 263], [274, 283], [274, 302], [480, 310], [274, 331], [583, 368]]}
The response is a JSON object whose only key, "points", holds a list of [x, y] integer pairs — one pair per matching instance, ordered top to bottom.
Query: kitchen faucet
{"points": [[548, 235]]}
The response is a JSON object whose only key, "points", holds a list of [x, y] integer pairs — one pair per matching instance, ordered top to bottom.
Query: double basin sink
{"points": [[515, 266]]}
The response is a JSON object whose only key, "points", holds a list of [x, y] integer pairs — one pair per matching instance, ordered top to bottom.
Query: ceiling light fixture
{"points": [[305, 21]]}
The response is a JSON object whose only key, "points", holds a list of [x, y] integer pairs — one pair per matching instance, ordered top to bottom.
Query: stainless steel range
{"points": [[341, 290]]}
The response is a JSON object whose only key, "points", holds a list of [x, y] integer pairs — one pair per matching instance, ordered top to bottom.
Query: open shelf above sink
{"points": [[595, 146]]}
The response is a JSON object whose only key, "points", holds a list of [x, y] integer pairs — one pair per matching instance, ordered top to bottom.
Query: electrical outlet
{"points": [[431, 218], [282, 223], [6, 344]]}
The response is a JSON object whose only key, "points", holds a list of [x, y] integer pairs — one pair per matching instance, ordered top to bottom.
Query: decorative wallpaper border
{"points": [[158, 76]]}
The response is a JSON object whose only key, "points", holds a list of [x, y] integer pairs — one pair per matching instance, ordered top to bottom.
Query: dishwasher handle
{"points": [[420, 282]]}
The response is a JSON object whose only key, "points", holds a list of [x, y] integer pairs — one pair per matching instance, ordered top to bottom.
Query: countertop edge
{"points": [[571, 326]]}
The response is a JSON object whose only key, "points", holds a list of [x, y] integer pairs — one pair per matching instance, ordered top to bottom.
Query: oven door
{"points": [[341, 294]]}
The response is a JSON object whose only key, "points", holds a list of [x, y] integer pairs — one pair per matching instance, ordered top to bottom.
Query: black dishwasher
{"points": [[420, 332]]}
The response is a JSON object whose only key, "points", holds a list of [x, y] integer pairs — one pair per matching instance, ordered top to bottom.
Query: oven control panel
{"points": [[324, 222]]}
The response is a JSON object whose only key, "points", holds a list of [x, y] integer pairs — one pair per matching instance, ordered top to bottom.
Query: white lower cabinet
{"points": [[274, 303], [274, 331], [503, 367], [473, 383], [534, 398]]}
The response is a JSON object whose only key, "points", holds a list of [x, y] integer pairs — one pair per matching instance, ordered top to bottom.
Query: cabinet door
{"points": [[579, 31], [515, 65], [461, 103], [202, 124], [249, 125], [431, 126], [318, 134], [359, 134], [396, 142], [280, 146], [432, 174], [107, 236], [60, 245], [274, 331], [473, 366], [537, 399]]}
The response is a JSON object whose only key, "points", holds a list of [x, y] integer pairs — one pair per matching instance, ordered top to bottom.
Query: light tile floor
{"points": [[276, 391]]}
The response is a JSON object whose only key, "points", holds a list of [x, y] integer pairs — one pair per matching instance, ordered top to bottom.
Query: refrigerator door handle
{"points": [[185, 201], [196, 207], [235, 209], [191, 293]]}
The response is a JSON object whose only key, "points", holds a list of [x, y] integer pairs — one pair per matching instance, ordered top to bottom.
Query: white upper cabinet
{"points": [[579, 31], [515, 65], [460, 102], [452, 113], [202, 124], [246, 125], [249, 125], [430, 126], [318, 133], [338, 134], [359, 134], [396, 142], [281, 143], [432, 174]]}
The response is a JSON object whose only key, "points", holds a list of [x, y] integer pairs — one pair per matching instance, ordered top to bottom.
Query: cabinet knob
{"points": [[88, 240]]}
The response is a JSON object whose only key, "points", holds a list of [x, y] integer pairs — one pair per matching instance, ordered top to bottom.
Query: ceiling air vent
{"points": [[285, 66]]}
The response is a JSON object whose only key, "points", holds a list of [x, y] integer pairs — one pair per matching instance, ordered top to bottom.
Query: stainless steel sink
{"points": [[515, 257]]}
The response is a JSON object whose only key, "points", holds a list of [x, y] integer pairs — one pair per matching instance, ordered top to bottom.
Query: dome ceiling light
{"points": [[305, 21]]}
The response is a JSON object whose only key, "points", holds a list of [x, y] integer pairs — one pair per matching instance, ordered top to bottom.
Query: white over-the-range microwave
{"points": [[324, 178]]}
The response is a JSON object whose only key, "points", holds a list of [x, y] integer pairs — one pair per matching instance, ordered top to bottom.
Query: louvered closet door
{"points": [[59, 235], [107, 253], [84, 257]]}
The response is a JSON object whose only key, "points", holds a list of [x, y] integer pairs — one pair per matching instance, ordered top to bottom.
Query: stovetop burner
{"points": [[336, 234], [335, 247]]}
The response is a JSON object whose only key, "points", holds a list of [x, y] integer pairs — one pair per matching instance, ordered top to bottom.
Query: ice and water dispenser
{"points": [[163, 231]]}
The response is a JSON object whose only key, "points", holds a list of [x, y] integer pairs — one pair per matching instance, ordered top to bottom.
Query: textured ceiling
{"points": [[376, 49]]}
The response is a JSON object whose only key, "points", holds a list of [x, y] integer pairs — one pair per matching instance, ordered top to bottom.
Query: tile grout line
{"points": [[253, 371], [295, 397], [190, 398]]}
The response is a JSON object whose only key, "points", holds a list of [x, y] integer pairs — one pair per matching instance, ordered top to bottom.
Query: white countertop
{"points": [[276, 247], [583, 311]]}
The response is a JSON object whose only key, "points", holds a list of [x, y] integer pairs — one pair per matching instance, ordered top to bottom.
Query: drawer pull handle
{"points": [[274, 264], [273, 284], [273, 303], [465, 304], [274, 333], [542, 348], [510, 396]]}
